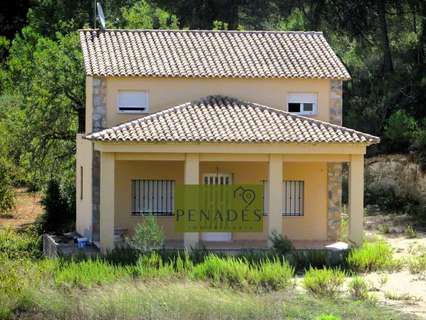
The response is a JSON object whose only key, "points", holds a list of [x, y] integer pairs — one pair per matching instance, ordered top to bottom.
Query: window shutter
{"points": [[153, 197]]}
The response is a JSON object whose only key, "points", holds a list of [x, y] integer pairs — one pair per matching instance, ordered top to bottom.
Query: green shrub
{"points": [[400, 131], [7, 194], [59, 213], [410, 233], [148, 235], [18, 245], [281, 245], [372, 256], [303, 259], [417, 265], [230, 271], [89, 272], [274, 275], [324, 282], [358, 288]]}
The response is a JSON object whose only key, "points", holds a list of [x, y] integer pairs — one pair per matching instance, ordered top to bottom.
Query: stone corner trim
{"points": [[336, 101], [99, 104], [334, 200]]}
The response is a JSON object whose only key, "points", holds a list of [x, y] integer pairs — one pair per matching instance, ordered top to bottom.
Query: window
{"points": [[133, 101], [302, 103], [153, 197], [293, 197]]}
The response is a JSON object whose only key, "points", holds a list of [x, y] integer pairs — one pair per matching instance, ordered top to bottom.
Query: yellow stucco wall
{"points": [[167, 92], [84, 190], [312, 226]]}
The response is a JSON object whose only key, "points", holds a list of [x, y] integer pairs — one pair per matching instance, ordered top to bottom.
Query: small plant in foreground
{"points": [[410, 233], [148, 235], [281, 245], [372, 256], [417, 265], [274, 275], [324, 282], [358, 288], [400, 296]]}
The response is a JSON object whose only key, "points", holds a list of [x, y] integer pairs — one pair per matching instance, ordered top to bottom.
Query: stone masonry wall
{"points": [[336, 102], [98, 123], [334, 170], [334, 200]]}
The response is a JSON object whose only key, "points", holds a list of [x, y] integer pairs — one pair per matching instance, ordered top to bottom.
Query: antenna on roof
{"points": [[100, 15]]}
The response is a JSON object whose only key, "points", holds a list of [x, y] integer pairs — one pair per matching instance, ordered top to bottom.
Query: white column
{"points": [[192, 176], [275, 196], [356, 199], [107, 201]]}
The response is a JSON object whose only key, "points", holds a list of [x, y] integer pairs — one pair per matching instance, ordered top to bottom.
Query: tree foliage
{"points": [[382, 43]]}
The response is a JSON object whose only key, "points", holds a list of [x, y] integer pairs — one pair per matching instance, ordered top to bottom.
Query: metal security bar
{"points": [[154, 197], [293, 197]]}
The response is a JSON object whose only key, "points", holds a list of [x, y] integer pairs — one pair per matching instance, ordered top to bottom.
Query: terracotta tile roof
{"points": [[190, 53], [225, 119]]}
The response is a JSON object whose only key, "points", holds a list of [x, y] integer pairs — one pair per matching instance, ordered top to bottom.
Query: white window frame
{"points": [[302, 98], [133, 109], [152, 197], [288, 208]]}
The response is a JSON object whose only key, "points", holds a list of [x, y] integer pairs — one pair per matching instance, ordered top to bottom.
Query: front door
{"points": [[217, 178]]}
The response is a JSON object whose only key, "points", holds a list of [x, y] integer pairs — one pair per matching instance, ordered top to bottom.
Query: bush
{"points": [[400, 131], [394, 184], [7, 194], [59, 215], [148, 236], [18, 245], [281, 245], [372, 256], [303, 259], [417, 265], [231, 271], [239, 274], [274, 275], [324, 282], [358, 288]]}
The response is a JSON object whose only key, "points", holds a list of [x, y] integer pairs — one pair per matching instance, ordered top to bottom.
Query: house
{"points": [[167, 108]]}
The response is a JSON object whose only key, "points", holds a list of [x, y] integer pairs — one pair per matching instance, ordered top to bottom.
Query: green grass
{"points": [[373, 256], [324, 282], [159, 286], [195, 300]]}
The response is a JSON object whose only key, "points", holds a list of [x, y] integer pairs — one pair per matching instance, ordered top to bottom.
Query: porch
{"points": [[315, 226]]}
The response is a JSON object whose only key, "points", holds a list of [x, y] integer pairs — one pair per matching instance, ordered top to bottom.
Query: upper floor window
{"points": [[133, 101], [302, 103]]}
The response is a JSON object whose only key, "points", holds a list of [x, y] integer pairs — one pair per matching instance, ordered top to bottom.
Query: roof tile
{"points": [[197, 53], [226, 119]]}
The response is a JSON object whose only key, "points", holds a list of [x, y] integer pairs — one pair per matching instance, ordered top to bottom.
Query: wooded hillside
{"points": [[382, 43]]}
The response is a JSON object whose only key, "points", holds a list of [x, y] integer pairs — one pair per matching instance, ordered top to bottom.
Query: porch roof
{"points": [[229, 120]]}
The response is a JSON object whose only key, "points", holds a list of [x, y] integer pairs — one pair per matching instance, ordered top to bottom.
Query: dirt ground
{"points": [[26, 211], [405, 291]]}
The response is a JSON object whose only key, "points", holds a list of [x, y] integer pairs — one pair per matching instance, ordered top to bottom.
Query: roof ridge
{"points": [[202, 31], [209, 98]]}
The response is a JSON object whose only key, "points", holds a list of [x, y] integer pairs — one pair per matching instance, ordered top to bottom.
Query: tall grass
{"points": [[373, 256], [88, 273], [238, 273], [324, 282]]}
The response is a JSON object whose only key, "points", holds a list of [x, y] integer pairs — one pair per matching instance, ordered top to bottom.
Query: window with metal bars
{"points": [[154, 197], [293, 197]]}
